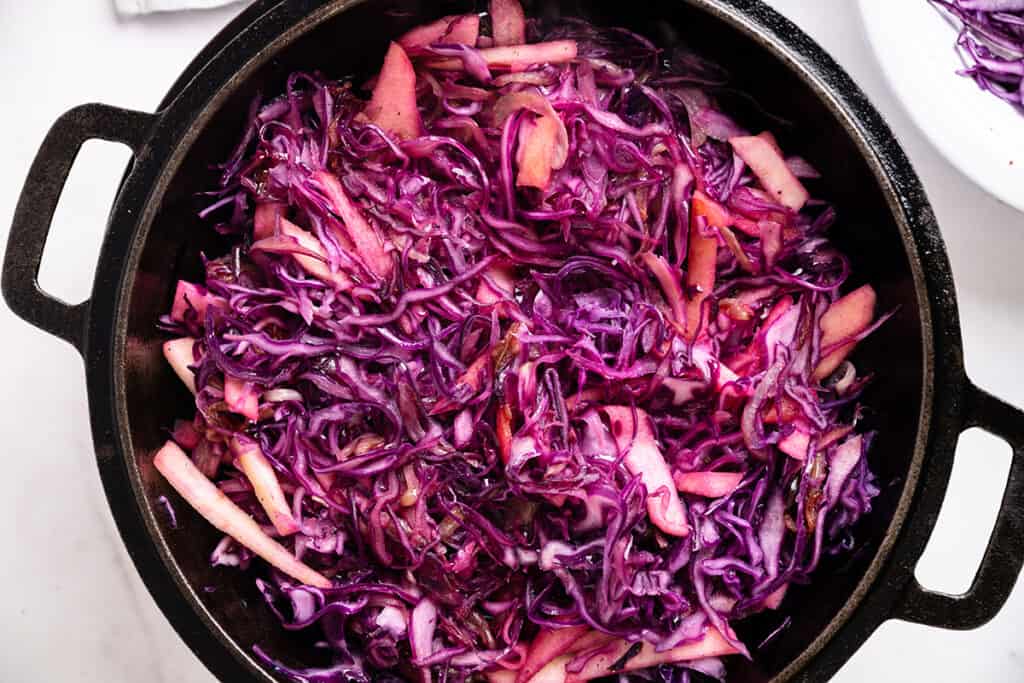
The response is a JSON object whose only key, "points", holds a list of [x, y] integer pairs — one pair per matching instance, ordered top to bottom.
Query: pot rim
{"points": [[266, 27]]}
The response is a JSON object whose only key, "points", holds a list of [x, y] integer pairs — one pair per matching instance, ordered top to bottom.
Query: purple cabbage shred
{"points": [[991, 45], [464, 387]]}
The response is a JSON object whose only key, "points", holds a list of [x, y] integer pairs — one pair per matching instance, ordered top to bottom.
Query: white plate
{"points": [[979, 133]]}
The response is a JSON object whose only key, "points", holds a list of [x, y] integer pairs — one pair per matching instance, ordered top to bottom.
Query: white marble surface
{"points": [[71, 605]]}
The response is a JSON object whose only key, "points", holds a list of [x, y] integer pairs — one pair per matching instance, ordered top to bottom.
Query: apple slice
{"points": [[508, 22], [459, 29], [464, 30], [513, 57], [531, 99], [393, 104], [769, 137], [538, 139], [768, 164], [716, 214], [266, 218], [729, 237], [367, 242], [771, 242], [307, 251], [701, 257], [669, 279], [497, 284], [186, 296], [845, 318], [758, 350], [178, 353], [711, 368], [474, 375], [241, 397], [790, 411], [503, 431], [185, 434], [834, 435], [796, 443], [643, 457], [845, 458], [260, 473], [707, 484], [210, 502], [776, 597], [422, 625], [711, 644], [546, 646], [556, 652], [553, 671], [500, 676]]}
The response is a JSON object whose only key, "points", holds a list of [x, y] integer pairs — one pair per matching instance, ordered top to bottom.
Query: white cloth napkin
{"points": [[133, 7]]}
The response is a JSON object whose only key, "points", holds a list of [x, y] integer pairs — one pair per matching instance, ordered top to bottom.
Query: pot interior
{"points": [[353, 43]]}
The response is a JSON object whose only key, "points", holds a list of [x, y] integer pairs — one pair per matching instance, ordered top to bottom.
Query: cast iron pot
{"points": [[922, 399]]}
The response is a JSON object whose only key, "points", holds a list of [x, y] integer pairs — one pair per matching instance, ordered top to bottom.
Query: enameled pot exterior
{"points": [[131, 399]]}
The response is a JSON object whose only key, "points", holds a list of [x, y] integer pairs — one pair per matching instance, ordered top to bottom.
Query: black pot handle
{"points": [[36, 206], [1004, 555]]}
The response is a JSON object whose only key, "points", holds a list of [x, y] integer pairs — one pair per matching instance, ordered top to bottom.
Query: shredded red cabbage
{"points": [[991, 44], [532, 366]]}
